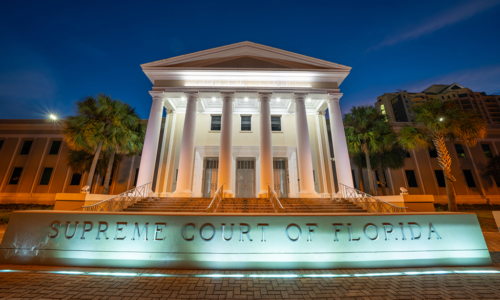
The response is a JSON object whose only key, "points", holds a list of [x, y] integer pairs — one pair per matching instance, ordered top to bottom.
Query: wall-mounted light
{"points": [[183, 98], [213, 99], [246, 99], [278, 99], [308, 99]]}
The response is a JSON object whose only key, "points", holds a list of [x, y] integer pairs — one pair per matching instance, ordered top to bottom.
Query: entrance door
{"points": [[280, 178], [210, 179], [245, 179]]}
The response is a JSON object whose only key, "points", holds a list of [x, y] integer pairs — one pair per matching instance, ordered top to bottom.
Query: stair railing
{"points": [[219, 195], [121, 201], [275, 201], [369, 202]]}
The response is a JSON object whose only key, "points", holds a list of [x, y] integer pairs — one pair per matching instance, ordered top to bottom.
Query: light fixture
{"points": [[183, 98], [213, 99], [246, 99], [278, 99], [308, 99], [53, 117], [441, 119]]}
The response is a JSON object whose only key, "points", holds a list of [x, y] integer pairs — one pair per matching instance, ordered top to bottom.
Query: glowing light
{"points": [[183, 98], [213, 99], [246, 99], [278, 99], [308, 99], [53, 117], [441, 119], [477, 271], [69, 272], [428, 273], [112, 274], [378, 274], [163, 275], [220, 275], [275, 275], [327, 275]]}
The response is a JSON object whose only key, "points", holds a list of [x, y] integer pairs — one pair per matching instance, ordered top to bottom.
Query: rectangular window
{"points": [[216, 122], [246, 123], [275, 123], [1, 144], [54, 148], [25, 150], [460, 150], [487, 150], [433, 153], [407, 154], [16, 175], [136, 176], [411, 178], [440, 178], [469, 178], [45, 179], [76, 179]]}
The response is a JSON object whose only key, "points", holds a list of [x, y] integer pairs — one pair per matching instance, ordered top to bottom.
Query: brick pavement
{"points": [[37, 285]]}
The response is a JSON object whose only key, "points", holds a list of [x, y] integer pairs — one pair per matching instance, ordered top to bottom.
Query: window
{"points": [[382, 109], [216, 122], [246, 123], [275, 123], [1, 144], [54, 148], [25, 150], [460, 150], [487, 150], [433, 153], [407, 154], [16, 175], [136, 176], [411, 178], [440, 178], [469, 178], [45, 179], [76, 179], [354, 179]]}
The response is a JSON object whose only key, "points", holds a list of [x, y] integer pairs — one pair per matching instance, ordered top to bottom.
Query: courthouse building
{"points": [[247, 116]]}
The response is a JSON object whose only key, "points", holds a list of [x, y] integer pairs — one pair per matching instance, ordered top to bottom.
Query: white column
{"points": [[226, 144], [266, 145], [150, 148], [186, 158], [321, 158], [342, 162], [306, 179]]}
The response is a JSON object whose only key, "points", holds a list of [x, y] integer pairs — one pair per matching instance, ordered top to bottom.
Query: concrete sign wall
{"points": [[222, 241]]}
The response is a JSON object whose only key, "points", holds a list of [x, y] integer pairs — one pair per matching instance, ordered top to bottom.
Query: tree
{"points": [[436, 121], [97, 127], [364, 128], [493, 168]]}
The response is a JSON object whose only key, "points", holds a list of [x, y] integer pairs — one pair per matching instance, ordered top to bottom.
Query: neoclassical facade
{"points": [[248, 117]]}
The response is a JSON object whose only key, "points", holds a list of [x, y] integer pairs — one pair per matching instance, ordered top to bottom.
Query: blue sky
{"points": [[55, 52]]}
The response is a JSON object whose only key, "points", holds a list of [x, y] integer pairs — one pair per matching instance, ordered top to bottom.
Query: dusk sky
{"points": [[54, 53]]}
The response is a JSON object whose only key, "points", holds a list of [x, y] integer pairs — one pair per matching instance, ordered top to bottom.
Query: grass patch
{"points": [[7, 209]]}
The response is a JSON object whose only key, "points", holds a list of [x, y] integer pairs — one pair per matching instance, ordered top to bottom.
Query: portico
{"points": [[244, 102]]}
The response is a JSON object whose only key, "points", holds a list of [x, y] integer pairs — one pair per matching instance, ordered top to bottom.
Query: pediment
{"points": [[245, 55]]}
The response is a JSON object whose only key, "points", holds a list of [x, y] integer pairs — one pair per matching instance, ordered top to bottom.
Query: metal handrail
{"points": [[219, 195], [121, 201], [275, 201], [370, 203]]}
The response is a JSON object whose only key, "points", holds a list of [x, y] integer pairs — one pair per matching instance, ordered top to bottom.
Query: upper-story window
{"points": [[215, 123], [246, 123], [275, 123], [54, 148], [25, 150], [460, 150], [487, 150]]}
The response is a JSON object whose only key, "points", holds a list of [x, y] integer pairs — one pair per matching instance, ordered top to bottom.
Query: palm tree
{"points": [[438, 121], [364, 126], [127, 136], [493, 168]]}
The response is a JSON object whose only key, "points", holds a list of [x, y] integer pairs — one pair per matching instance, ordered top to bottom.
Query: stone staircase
{"points": [[245, 205]]}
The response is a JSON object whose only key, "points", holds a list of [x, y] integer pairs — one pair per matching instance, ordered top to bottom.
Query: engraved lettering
{"points": [[411, 225], [67, 227], [55, 229], [85, 229], [158, 229], [388, 229], [119, 230], [310, 230], [336, 230], [433, 230], [103, 231], [263, 231], [402, 231], [184, 232], [201, 232], [244, 232], [366, 232], [140, 233], [350, 234], [288, 235], [223, 236]]}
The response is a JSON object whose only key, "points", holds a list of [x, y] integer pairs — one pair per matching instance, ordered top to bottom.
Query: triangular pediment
{"points": [[245, 55]]}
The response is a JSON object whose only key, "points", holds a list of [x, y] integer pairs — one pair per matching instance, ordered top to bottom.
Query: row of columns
{"points": [[186, 160]]}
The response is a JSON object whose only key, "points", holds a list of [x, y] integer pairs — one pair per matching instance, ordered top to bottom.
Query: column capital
{"points": [[156, 95], [191, 95], [225, 96], [265, 96], [300, 96], [335, 96]]}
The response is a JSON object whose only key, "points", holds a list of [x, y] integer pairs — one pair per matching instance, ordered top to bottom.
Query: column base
{"points": [[182, 194], [309, 194]]}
